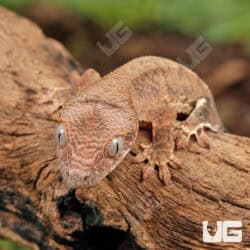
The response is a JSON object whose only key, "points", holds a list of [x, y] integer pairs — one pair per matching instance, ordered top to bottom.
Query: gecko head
{"points": [[93, 137]]}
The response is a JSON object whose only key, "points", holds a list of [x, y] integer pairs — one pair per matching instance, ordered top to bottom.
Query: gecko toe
{"points": [[202, 139], [182, 140], [140, 157], [175, 162], [147, 171], [164, 174]]}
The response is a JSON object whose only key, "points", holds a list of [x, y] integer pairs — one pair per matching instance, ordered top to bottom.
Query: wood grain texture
{"points": [[38, 210]]}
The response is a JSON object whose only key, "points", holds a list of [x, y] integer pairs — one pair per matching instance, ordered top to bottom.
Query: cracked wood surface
{"points": [[38, 210]]}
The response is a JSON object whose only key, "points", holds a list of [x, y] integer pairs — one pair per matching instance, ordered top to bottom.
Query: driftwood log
{"points": [[121, 212]]}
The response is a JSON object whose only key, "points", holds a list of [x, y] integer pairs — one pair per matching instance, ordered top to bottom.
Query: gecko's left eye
{"points": [[61, 135], [115, 146]]}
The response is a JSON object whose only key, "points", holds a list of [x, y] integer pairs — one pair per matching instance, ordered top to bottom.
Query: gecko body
{"points": [[100, 124]]}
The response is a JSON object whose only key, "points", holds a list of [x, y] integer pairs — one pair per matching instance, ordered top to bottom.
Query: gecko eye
{"points": [[61, 135], [115, 146]]}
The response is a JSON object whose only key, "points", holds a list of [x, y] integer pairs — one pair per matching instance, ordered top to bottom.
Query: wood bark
{"points": [[121, 212]]}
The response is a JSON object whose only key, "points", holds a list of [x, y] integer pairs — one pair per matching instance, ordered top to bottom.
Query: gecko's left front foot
{"points": [[153, 158]]}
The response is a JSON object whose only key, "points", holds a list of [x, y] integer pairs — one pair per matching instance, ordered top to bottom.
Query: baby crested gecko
{"points": [[99, 125]]}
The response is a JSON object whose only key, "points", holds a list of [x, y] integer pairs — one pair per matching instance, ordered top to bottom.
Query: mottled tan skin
{"points": [[147, 91]]}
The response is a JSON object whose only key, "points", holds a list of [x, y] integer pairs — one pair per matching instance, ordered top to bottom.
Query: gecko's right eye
{"points": [[61, 135], [115, 146]]}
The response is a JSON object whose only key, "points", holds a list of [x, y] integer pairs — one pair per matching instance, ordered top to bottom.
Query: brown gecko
{"points": [[100, 124]]}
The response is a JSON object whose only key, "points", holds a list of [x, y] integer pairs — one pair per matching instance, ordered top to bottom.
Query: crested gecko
{"points": [[99, 125]]}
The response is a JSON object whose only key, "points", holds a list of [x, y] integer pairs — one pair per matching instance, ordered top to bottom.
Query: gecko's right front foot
{"points": [[153, 158]]}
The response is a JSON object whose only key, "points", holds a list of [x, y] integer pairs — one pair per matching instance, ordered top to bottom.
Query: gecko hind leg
{"points": [[195, 125]]}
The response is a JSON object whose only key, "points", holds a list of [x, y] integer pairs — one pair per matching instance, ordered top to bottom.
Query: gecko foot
{"points": [[184, 136], [154, 158]]}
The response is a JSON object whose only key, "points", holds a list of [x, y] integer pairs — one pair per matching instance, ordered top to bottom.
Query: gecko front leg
{"points": [[201, 118], [160, 151]]}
